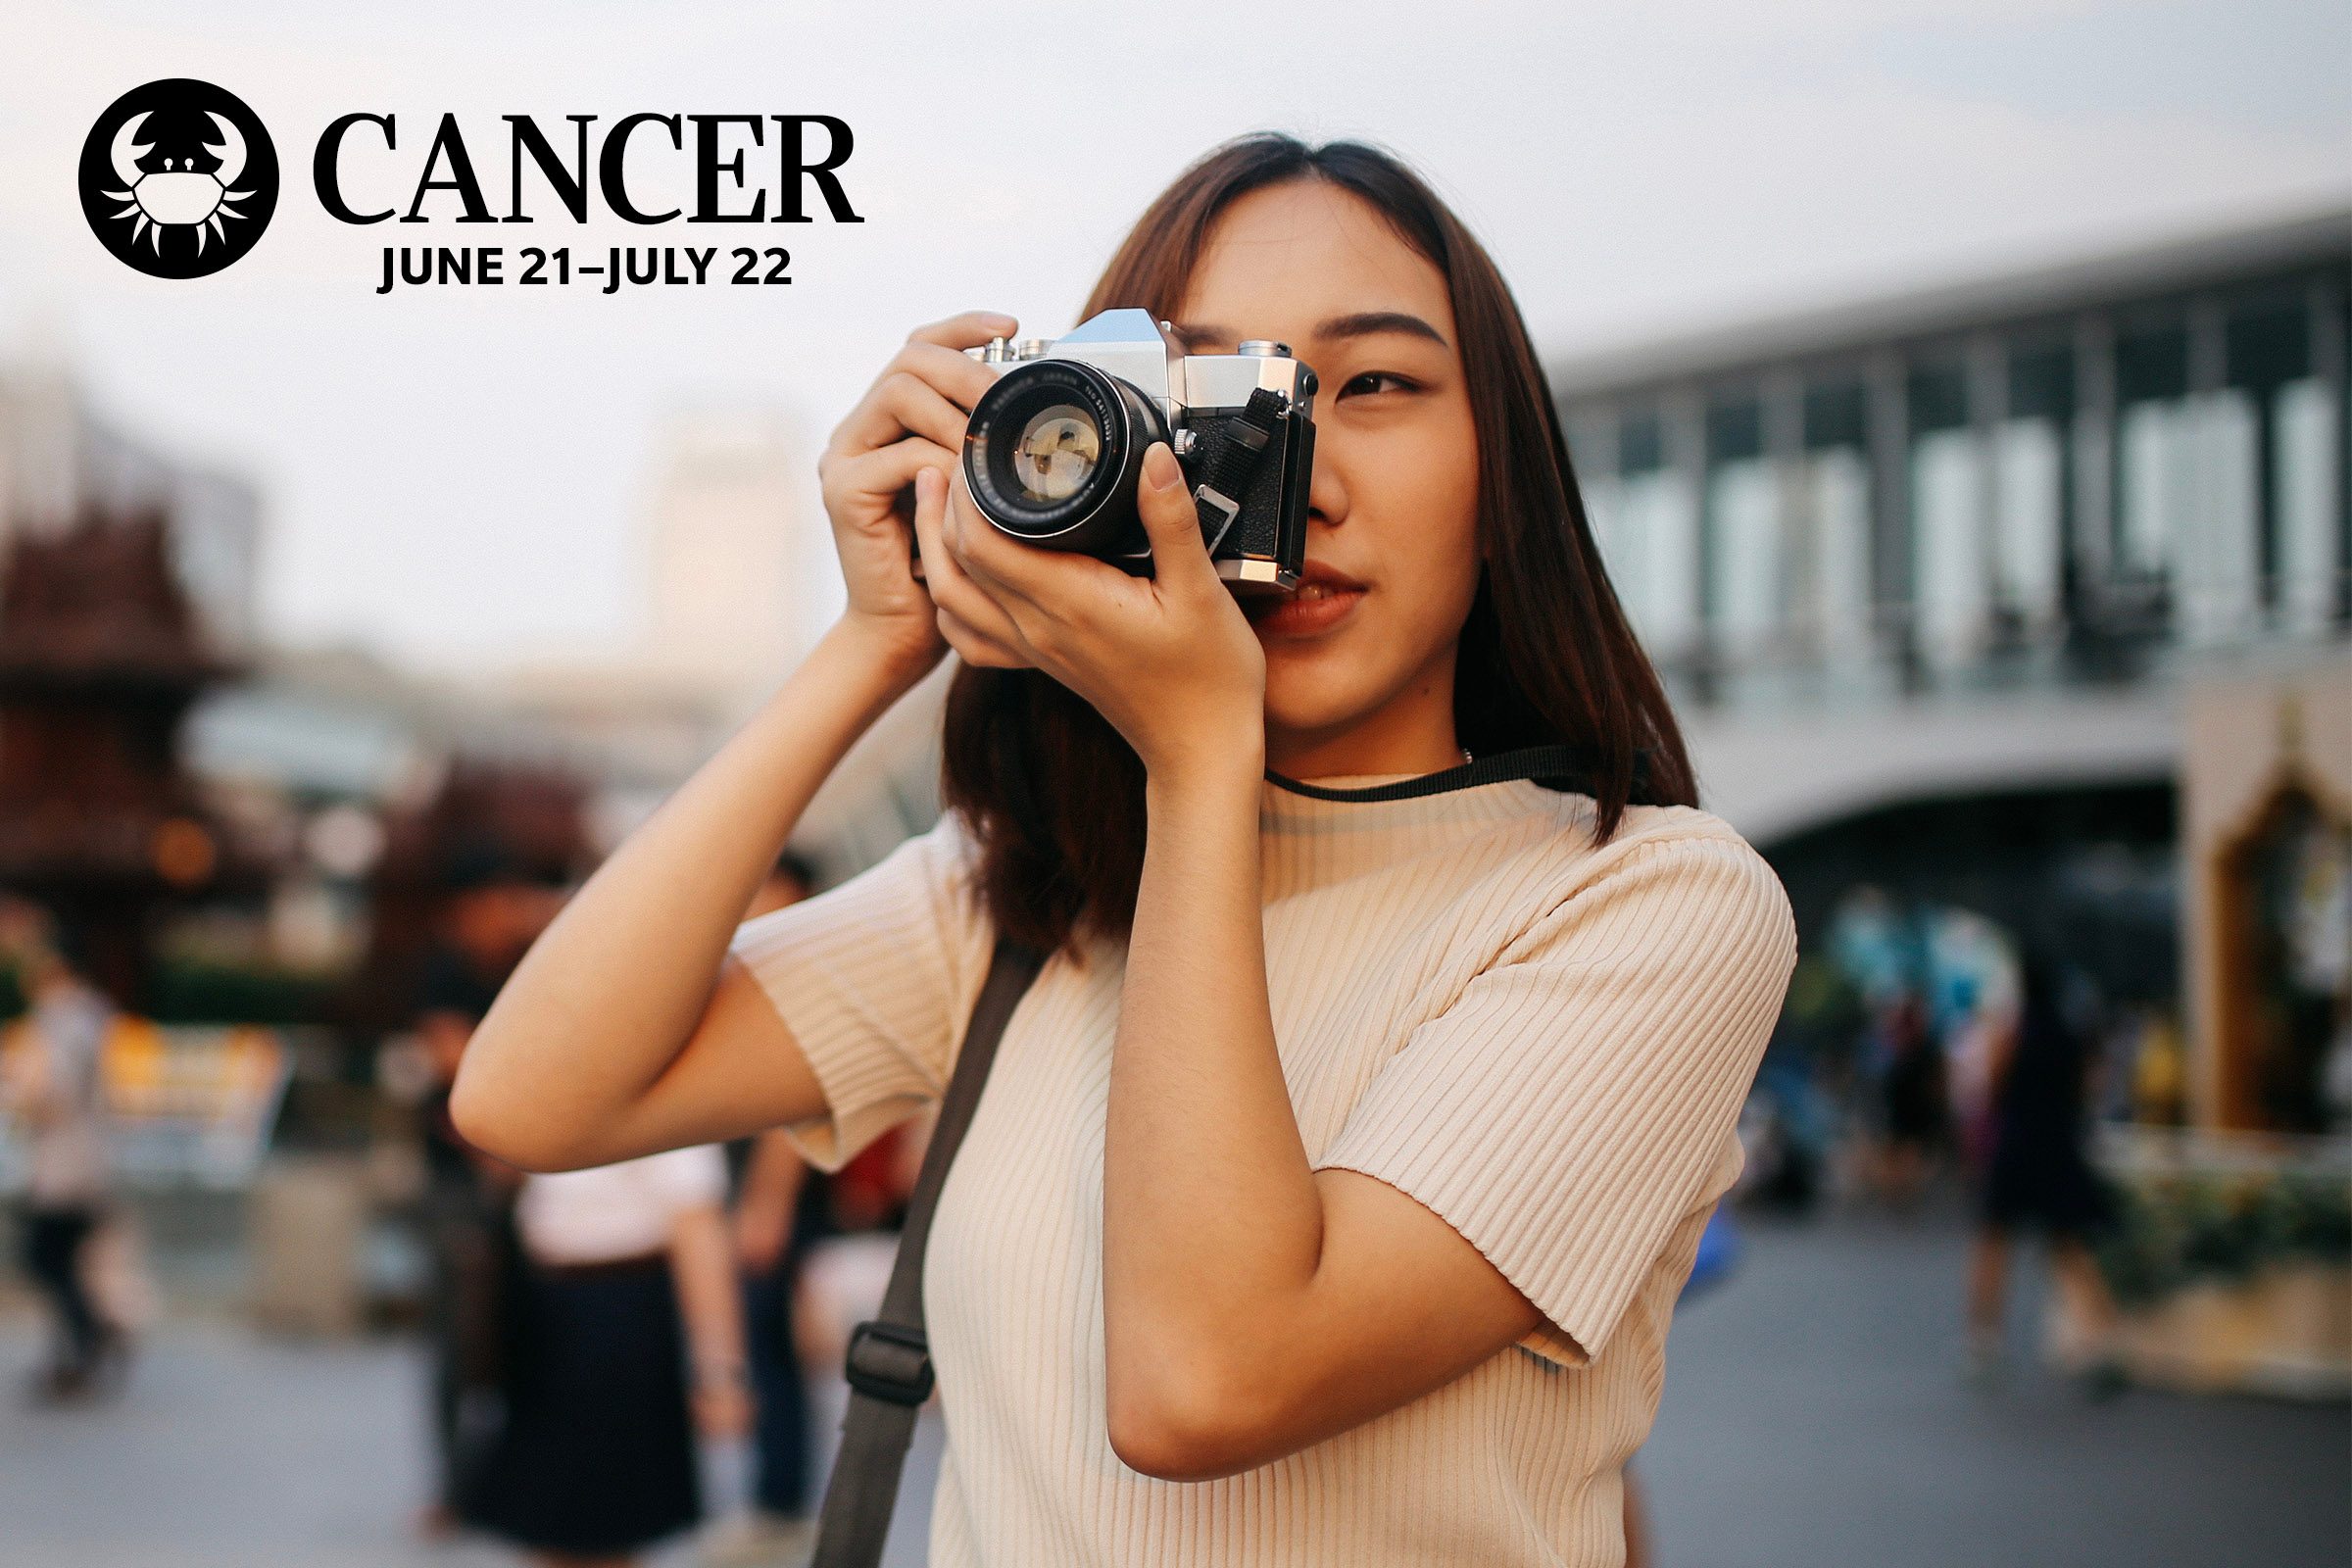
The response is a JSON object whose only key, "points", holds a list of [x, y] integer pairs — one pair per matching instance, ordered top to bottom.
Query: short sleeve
{"points": [[875, 979], [1567, 1113]]}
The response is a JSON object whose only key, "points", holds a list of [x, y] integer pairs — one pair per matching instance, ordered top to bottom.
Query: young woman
{"points": [[1337, 1175]]}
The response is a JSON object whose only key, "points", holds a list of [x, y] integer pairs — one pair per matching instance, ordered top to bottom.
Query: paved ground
{"points": [[1811, 1418]]}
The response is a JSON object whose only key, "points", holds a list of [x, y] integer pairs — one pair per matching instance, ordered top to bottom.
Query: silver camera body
{"points": [[1052, 452]]}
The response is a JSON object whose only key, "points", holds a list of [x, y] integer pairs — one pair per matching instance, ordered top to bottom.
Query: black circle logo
{"points": [[178, 178]]}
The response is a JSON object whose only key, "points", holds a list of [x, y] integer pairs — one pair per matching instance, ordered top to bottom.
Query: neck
{"points": [[1411, 733]]}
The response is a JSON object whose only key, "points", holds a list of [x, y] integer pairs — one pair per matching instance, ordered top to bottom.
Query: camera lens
{"points": [[1054, 453]]}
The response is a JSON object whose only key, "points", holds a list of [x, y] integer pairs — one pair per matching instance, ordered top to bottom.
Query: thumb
{"points": [[1171, 518]]}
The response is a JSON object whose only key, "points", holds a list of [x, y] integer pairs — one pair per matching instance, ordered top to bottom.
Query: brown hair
{"points": [[1054, 794]]}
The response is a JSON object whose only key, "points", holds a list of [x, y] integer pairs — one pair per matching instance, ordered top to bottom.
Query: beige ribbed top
{"points": [[1543, 1043]]}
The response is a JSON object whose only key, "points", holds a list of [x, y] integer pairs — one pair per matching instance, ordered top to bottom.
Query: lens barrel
{"points": [[1053, 453]]}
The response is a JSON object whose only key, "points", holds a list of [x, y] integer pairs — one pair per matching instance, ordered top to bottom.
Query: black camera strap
{"points": [[1230, 452], [890, 1358], [888, 1369]]}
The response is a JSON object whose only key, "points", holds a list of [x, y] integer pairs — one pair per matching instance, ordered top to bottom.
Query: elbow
{"points": [[500, 1124], [1180, 1422]]}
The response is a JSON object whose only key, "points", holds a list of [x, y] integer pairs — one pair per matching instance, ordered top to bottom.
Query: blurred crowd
{"points": [[1924, 1049], [587, 1328], [585, 1332]]}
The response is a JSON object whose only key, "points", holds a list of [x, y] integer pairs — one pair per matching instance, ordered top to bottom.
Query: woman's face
{"points": [[1391, 523]]}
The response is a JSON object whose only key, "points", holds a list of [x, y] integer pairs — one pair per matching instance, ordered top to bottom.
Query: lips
{"points": [[1325, 596]]}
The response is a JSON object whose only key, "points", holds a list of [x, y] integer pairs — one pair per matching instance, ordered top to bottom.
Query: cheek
{"points": [[1423, 503]]}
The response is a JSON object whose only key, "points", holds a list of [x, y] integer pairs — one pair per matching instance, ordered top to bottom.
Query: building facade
{"points": [[2066, 478], [1943, 584]]}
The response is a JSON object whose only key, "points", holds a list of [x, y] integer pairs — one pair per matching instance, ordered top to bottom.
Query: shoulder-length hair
{"points": [[1052, 794]]}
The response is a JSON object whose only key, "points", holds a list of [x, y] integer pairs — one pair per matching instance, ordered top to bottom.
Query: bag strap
{"points": [[890, 1356], [889, 1368]]}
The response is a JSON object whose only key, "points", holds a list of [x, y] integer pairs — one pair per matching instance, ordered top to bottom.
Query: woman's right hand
{"points": [[911, 418]]}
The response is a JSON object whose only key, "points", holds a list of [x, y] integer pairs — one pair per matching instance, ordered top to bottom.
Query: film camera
{"points": [[1054, 450]]}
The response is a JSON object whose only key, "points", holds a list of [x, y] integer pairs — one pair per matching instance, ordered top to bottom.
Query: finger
{"points": [[970, 330], [956, 375], [900, 404], [889, 470], [1171, 520], [1002, 567], [951, 589], [1043, 592], [976, 649]]}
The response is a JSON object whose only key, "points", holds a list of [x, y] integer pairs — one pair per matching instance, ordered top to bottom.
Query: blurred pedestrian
{"points": [[492, 911], [52, 1088], [1913, 1102], [2040, 1178], [777, 1216], [628, 1338]]}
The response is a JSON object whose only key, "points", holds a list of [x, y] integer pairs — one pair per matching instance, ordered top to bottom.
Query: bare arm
{"points": [[626, 1028], [621, 1032], [25, 1088], [771, 1190], [704, 1270], [1358, 1298], [1251, 1304]]}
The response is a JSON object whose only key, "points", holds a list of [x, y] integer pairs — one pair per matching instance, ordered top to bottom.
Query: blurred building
{"points": [[63, 462], [1934, 578], [126, 591], [720, 610], [718, 623]]}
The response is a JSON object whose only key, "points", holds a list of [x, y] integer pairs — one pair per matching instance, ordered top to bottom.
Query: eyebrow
{"points": [[1359, 324]]}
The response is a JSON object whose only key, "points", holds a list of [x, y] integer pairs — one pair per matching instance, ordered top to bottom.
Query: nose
{"points": [[1327, 490]]}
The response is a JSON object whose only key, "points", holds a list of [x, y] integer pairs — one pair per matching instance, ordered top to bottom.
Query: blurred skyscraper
{"points": [[718, 590]]}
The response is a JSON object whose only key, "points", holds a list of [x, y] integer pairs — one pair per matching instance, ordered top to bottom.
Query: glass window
{"points": [[2029, 472], [2310, 568], [2218, 573], [1950, 592], [1746, 598]]}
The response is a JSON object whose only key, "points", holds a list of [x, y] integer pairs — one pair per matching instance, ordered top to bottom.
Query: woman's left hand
{"points": [[1168, 660]]}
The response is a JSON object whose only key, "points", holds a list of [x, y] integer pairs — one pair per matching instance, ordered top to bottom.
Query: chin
{"points": [[1302, 700]]}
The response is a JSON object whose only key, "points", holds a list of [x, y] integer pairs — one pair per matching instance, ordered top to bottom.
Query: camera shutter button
{"points": [[1264, 348]]}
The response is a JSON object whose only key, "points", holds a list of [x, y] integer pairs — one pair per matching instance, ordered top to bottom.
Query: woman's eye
{"points": [[1377, 382]]}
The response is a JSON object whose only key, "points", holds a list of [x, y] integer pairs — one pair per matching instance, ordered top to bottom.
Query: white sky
{"points": [[460, 474]]}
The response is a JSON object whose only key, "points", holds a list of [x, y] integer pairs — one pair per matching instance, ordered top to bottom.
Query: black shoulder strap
{"points": [[890, 1358]]}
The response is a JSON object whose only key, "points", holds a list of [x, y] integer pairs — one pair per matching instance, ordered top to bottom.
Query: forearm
{"points": [[604, 1000], [773, 1180], [763, 1214], [1211, 1215], [704, 1270]]}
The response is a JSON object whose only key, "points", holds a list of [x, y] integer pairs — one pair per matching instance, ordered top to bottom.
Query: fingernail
{"points": [[1159, 467]]}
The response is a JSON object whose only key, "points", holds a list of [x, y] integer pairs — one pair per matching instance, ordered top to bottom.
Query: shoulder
{"points": [[1651, 839], [1675, 863]]}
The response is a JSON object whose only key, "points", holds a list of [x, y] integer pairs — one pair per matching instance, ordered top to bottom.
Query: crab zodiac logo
{"points": [[178, 178]]}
